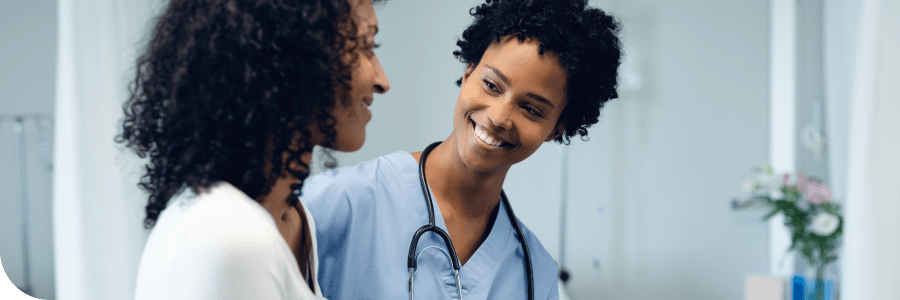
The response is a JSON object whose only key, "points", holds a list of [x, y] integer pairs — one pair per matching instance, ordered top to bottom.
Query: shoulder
{"points": [[362, 173], [354, 181], [340, 197], [225, 221], [218, 243], [540, 258], [544, 266]]}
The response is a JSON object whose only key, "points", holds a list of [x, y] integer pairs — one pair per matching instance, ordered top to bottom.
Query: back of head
{"points": [[585, 38], [225, 87]]}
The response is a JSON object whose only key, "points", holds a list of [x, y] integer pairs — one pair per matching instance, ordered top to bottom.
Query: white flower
{"points": [[766, 183], [776, 194], [824, 224]]}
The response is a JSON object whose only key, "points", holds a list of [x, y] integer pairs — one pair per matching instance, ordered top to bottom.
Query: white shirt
{"points": [[220, 245]]}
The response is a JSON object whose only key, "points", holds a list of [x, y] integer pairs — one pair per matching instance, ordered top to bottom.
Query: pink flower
{"points": [[787, 178], [802, 183], [815, 192], [818, 193]]}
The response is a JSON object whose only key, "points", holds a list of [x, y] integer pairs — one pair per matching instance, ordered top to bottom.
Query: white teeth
{"points": [[487, 139]]}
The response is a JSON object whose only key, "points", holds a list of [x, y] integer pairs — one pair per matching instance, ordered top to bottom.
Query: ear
{"points": [[469, 69], [557, 131]]}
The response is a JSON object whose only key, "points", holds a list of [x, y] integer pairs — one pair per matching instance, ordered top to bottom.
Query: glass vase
{"points": [[821, 284]]}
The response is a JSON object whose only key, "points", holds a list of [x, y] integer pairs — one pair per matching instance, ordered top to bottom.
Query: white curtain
{"points": [[97, 207], [872, 228]]}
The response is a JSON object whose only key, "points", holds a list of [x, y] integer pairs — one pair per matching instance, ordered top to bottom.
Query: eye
{"points": [[369, 49], [491, 85], [532, 111]]}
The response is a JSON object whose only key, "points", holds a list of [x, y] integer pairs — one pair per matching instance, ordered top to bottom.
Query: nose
{"points": [[382, 85], [500, 114]]}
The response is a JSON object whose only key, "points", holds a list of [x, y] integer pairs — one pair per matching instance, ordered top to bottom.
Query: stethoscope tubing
{"points": [[412, 263]]}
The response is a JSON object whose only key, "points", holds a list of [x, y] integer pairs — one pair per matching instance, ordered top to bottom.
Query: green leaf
{"points": [[831, 208]]}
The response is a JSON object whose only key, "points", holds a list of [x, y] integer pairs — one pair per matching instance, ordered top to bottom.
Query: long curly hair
{"points": [[585, 38], [232, 90]]}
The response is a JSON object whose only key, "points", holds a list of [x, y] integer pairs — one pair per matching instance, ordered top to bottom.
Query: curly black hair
{"points": [[585, 38], [231, 90]]}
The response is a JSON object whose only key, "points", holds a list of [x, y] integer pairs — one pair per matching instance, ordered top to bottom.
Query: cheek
{"points": [[469, 98], [462, 105], [346, 116], [535, 134]]}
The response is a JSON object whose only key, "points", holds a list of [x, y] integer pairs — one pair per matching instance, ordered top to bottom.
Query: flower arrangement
{"points": [[815, 222]]}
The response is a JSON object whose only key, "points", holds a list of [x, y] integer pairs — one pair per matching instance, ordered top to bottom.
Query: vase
{"points": [[821, 284]]}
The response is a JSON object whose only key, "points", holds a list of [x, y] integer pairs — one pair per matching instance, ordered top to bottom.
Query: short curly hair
{"points": [[585, 38], [230, 90]]}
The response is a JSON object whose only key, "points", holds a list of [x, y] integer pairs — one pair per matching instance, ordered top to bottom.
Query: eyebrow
{"points": [[375, 27], [529, 94]]}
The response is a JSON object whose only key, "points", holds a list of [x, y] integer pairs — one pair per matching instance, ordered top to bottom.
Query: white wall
{"points": [[27, 56], [27, 74], [668, 156]]}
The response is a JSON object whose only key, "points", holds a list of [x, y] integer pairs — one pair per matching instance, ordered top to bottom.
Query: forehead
{"points": [[528, 70]]}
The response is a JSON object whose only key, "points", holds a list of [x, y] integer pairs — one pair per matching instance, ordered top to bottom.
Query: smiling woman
{"points": [[536, 71], [367, 78], [229, 99], [509, 104]]}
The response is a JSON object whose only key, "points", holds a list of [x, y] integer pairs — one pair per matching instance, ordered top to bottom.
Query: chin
{"points": [[473, 161]]}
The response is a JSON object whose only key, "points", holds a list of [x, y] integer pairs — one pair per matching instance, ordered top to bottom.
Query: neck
{"points": [[463, 193], [468, 198], [287, 218], [290, 223]]}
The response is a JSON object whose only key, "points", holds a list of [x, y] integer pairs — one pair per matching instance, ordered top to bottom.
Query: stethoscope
{"points": [[454, 260]]}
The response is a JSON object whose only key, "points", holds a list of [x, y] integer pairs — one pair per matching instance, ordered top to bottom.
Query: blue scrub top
{"points": [[365, 218]]}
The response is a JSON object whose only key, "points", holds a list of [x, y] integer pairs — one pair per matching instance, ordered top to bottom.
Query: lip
{"points": [[368, 101], [503, 142]]}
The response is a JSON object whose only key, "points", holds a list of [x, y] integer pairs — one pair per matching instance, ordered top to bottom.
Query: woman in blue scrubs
{"points": [[537, 71]]}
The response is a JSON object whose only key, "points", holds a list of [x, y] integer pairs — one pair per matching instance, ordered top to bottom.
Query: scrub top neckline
{"points": [[488, 253]]}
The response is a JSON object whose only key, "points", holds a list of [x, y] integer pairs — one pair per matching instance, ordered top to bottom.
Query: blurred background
{"points": [[640, 210]]}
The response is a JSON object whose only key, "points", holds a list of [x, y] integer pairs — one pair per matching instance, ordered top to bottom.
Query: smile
{"points": [[487, 138]]}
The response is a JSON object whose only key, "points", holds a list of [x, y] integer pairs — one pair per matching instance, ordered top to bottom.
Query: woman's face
{"points": [[367, 78], [509, 104]]}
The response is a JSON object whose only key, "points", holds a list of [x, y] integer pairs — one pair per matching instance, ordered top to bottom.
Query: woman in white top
{"points": [[229, 99]]}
